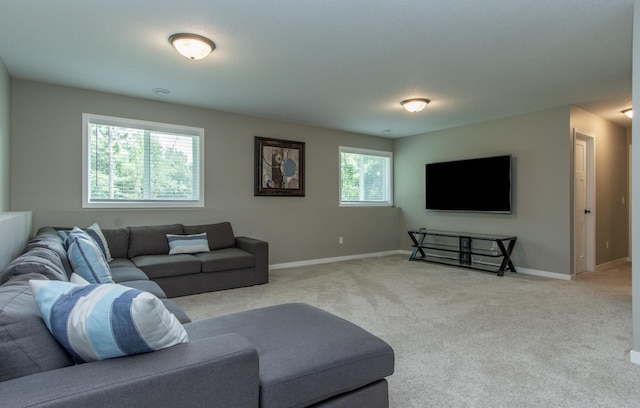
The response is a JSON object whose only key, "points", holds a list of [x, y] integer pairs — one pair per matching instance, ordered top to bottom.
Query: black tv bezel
{"points": [[479, 211]]}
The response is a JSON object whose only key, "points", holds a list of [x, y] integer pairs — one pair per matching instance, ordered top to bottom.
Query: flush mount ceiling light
{"points": [[192, 46], [415, 104], [628, 112]]}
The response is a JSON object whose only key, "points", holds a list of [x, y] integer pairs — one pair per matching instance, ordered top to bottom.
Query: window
{"points": [[136, 164], [365, 177]]}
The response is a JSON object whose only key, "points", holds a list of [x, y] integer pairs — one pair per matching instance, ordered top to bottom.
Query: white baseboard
{"points": [[331, 260], [612, 263], [524, 271], [544, 274], [635, 357]]}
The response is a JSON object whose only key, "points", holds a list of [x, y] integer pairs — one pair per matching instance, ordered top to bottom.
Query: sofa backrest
{"points": [[219, 235], [48, 237], [151, 240], [118, 241], [44, 255], [41, 261], [26, 345]]}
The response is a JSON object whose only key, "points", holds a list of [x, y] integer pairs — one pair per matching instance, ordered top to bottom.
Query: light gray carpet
{"points": [[471, 339]]}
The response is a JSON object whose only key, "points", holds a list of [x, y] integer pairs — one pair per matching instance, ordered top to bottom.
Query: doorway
{"points": [[584, 202]]}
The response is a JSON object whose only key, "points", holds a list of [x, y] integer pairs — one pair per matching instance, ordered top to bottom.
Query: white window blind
{"points": [[130, 163], [365, 177]]}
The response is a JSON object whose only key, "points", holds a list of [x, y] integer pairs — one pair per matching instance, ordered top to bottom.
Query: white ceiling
{"points": [[340, 64]]}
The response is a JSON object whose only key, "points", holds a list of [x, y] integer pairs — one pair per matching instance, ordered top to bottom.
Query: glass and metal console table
{"points": [[462, 249]]}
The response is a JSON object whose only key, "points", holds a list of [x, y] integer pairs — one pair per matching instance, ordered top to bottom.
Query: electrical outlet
{"points": [[340, 240]]}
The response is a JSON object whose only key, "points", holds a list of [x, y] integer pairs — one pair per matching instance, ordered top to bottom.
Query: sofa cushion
{"points": [[219, 235], [151, 240], [118, 241], [187, 244], [86, 257], [226, 259], [37, 260], [121, 263], [164, 266], [127, 273], [146, 285], [175, 309], [97, 322], [26, 346], [306, 354]]}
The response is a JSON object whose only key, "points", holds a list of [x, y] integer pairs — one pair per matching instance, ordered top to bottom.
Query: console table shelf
{"points": [[441, 245]]}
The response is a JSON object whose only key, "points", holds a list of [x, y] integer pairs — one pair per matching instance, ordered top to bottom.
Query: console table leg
{"points": [[417, 245], [506, 257]]}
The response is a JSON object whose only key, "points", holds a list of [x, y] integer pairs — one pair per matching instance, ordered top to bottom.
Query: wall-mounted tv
{"points": [[473, 185]]}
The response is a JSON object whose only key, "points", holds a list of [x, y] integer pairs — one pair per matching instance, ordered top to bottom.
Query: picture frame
{"points": [[279, 167]]}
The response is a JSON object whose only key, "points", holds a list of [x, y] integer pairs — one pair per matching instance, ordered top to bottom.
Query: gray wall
{"points": [[5, 137], [541, 147], [540, 152], [46, 175], [46, 178], [612, 184], [15, 230]]}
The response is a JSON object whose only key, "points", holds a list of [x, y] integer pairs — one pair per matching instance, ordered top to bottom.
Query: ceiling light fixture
{"points": [[192, 46], [415, 104], [628, 112]]}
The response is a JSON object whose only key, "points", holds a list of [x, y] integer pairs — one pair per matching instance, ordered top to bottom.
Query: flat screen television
{"points": [[473, 185]]}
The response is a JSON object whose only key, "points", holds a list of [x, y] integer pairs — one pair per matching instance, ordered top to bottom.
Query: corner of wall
{"points": [[5, 137], [635, 221], [15, 231]]}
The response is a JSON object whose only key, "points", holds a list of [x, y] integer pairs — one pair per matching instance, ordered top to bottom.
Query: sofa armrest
{"points": [[259, 249], [220, 371]]}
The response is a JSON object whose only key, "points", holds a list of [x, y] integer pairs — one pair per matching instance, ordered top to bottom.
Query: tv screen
{"points": [[474, 185]]}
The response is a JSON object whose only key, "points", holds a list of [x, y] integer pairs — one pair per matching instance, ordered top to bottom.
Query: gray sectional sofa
{"points": [[231, 263], [289, 355]]}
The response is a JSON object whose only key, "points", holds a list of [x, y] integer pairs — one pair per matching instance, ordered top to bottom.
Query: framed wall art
{"points": [[279, 167]]}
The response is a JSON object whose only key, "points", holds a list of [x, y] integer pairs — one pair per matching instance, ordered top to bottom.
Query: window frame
{"points": [[89, 118], [389, 184]]}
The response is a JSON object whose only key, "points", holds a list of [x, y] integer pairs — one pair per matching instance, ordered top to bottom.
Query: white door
{"points": [[581, 210]]}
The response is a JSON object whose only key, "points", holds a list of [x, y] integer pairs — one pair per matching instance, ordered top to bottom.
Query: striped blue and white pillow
{"points": [[95, 232], [188, 244], [86, 257], [97, 322]]}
